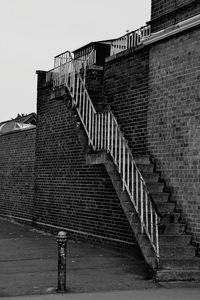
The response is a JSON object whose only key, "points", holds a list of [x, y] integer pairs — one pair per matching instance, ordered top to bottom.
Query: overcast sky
{"points": [[32, 32]]}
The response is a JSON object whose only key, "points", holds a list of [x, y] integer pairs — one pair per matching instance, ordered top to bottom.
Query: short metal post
{"points": [[62, 249]]}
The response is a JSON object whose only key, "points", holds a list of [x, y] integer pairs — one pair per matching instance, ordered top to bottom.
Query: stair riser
{"points": [[142, 160], [146, 168], [150, 178], [155, 187], [160, 197], [165, 208], [171, 218], [172, 229], [174, 240], [177, 252], [172, 253], [182, 264], [177, 275]]}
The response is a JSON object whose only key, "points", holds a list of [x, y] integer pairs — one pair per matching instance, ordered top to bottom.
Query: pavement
{"points": [[28, 270], [149, 294]]}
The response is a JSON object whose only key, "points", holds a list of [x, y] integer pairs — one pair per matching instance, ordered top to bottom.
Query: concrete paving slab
{"points": [[28, 264]]}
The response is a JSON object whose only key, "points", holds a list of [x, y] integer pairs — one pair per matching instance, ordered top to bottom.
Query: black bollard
{"points": [[62, 249]]}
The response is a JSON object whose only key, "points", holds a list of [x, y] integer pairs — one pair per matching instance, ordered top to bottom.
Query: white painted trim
{"points": [[170, 31]]}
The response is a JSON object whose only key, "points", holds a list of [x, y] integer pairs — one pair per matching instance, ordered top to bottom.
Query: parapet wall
{"points": [[17, 159], [69, 193]]}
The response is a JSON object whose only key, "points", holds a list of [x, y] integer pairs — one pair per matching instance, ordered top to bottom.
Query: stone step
{"points": [[98, 157], [141, 159], [146, 168], [150, 177], [155, 187], [160, 197], [165, 207], [173, 217], [172, 228], [175, 240], [182, 240], [171, 251], [177, 251], [180, 263], [177, 275]]}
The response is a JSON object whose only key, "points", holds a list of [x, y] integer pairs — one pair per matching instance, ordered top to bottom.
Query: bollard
{"points": [[62, 248]]}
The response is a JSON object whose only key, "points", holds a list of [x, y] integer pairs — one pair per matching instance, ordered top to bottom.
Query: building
{"points": [[19, 123], [117, 143]]}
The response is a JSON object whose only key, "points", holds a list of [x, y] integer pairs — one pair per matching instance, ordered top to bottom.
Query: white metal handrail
{"points": [[134, 38], [130, 40], [118, 45], [91, 58], [104, 133], [109, 137]]}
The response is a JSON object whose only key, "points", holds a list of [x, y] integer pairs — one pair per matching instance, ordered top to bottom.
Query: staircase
{"points": [[153, 218]]}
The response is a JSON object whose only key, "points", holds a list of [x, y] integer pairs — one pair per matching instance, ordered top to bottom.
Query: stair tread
{"points": [[177, 247], [188, 258]]}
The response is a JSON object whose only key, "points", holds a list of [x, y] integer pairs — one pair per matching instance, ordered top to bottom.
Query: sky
{"points": [[32, 32]]}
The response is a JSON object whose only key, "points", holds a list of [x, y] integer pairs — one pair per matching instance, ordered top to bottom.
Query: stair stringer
{"points": [[126, 204]]}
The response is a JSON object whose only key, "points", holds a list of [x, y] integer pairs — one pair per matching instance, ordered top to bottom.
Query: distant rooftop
{"points": [[20, 123]]}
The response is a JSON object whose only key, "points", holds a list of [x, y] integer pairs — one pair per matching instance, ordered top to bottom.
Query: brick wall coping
{"points": [[172, 30], [18, 130]]}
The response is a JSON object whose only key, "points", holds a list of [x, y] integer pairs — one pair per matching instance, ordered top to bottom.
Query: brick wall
{"points": [[165, 13], [94, 85], [126, 91], [174, 120], [17, 158], [69, 193]]}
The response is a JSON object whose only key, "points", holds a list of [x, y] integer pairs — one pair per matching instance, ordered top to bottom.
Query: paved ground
{"points": [[28, 265], [28, 270], [144, 294]]}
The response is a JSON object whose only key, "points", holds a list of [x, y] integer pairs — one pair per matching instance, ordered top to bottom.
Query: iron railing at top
{"points": [[130, 40], [104, 133]]}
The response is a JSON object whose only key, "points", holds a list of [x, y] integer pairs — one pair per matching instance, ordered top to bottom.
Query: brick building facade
{"points": [[153, 91], [17, 160], [68, 192]]}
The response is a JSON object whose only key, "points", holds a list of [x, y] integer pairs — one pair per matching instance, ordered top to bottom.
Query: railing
{"points": [[134, 38], [130, 40], [118, 45], [91, 58], [104, 134]]}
